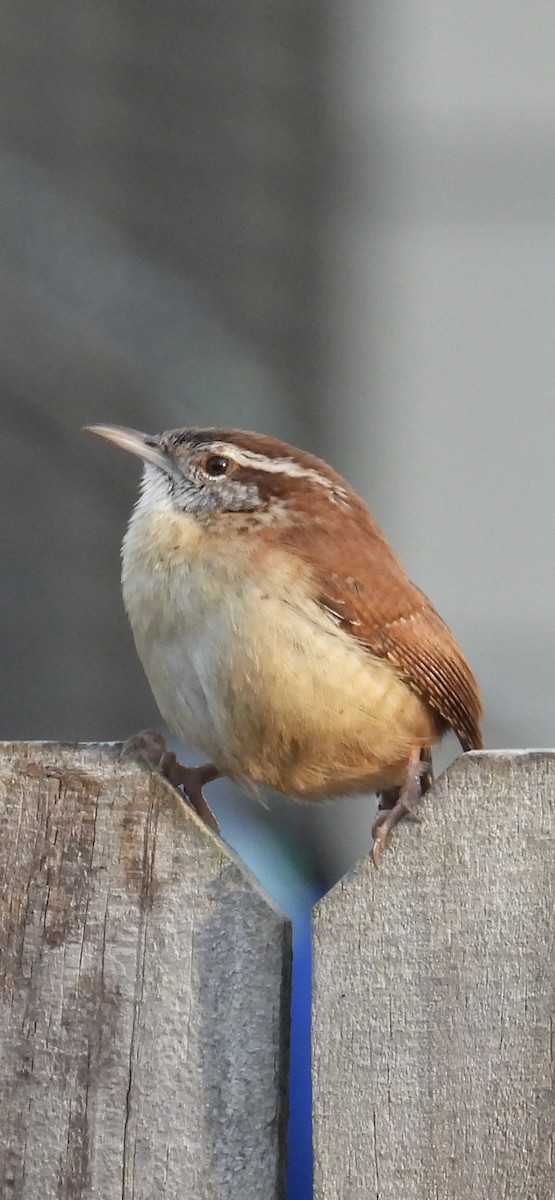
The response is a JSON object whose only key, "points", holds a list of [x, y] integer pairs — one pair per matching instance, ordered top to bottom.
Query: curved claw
{"points": [[150, 745], [192, 780], [394, 810], [385, 822]]}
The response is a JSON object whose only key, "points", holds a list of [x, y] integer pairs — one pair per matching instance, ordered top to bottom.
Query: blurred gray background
{"points": [[331, 221]]}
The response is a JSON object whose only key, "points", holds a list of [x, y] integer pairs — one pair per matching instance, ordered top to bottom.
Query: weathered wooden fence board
{"points": [[144, 988], [434, 1005]]}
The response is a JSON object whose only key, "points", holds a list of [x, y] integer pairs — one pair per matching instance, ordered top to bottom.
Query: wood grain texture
{"points": [[144, 992], [434, 1002]]}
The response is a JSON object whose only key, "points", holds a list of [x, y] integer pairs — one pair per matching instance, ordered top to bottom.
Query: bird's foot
{"points": [[151, 745], [192, 780], [400, 802]]}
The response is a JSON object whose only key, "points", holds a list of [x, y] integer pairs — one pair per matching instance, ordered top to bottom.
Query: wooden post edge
{"points": [[144, 991], [434, 998]]}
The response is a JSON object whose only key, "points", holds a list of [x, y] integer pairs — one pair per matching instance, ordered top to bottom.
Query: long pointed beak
{"points": [[150, 449]]}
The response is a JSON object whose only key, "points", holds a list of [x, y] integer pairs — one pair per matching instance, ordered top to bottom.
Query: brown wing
{"points": [[360, 580]]}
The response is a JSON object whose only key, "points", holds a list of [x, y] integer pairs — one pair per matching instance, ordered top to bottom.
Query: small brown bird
{"points": [[279, 633]]}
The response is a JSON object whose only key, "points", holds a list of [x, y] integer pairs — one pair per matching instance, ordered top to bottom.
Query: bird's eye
{"points": [[217, 465]]}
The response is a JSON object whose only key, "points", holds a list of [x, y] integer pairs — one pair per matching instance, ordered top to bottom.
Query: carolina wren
{"points": [[279, 633]]}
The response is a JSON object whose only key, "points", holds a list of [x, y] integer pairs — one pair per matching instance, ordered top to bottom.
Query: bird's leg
{"points": [[152, 746], [192, 780], [397, 803]]}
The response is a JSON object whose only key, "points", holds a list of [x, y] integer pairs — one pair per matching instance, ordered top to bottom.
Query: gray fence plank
{"points": [[144, 992], [434, 1002]]}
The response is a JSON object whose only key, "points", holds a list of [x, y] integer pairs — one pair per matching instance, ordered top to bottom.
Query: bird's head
{"points": [[203, 472]]}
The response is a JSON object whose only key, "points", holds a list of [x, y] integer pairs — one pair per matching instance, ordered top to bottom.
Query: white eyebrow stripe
{"points": [[278, 466]]}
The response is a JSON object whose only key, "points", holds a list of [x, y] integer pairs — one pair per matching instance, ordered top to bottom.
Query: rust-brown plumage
{"points": [[358, 577], [373, 597], [279, 631]]}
